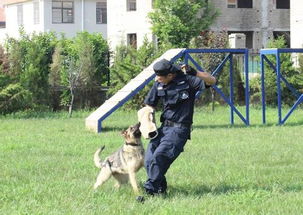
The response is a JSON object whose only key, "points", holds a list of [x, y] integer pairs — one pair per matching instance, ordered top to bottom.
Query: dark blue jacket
{"points": [[177, 97]]}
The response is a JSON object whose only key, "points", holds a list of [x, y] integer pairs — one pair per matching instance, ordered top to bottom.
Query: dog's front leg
{"points": [[103, 176], [133, 182]]}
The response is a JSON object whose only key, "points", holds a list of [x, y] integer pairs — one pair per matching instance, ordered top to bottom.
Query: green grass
{"points": [[46, 166]]}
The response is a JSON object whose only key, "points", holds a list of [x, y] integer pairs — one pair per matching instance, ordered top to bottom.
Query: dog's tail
{"points": [[97, 159]]}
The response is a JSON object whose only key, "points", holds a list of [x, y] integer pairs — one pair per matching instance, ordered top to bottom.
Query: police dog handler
{"points": [[177, 91]]}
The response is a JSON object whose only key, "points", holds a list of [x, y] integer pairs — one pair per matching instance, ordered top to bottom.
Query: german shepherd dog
{"points": [[124, 163]]}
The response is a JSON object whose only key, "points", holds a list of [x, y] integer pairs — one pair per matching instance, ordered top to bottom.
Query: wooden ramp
{"points": [[94, 120]]}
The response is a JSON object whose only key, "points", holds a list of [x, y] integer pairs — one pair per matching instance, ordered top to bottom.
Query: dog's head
{"points": [[147, 120], [132, 133]]}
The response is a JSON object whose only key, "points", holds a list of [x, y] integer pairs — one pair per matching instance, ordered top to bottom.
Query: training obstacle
{"points": [[228, 58], [279, 77], [94, 120]]}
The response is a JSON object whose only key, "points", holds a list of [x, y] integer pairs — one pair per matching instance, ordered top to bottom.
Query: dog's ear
{"points": [[123, 133]]}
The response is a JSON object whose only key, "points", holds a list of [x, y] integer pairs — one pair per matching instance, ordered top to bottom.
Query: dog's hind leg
{"points": [[103, 176]]}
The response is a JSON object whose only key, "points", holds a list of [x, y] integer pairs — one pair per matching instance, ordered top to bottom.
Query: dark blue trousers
{"points": [[160, 154]]}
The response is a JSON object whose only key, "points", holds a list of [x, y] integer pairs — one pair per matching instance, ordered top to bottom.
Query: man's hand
{"points": [[188, 70]]}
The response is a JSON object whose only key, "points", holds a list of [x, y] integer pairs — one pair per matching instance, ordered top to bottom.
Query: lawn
{"points": [[46, 166]]}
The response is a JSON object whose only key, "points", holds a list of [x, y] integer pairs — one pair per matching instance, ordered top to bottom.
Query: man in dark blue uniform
{"points": [[177, 92]]}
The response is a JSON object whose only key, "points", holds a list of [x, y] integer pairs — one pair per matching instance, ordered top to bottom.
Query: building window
{"points": [[231, 3], [239, 3], [245, 4], [282, 4], [131, 5], [62, 11], [101, 12], [36, 13], [20, 15], [285, 35], [132, 40]]}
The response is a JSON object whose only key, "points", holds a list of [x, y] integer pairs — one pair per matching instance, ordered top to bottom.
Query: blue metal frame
{"points": [[187, 57], [228, 57], [277, 70]]}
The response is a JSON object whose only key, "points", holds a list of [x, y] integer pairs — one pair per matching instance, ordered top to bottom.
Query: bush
{"points": [[29, 58], [34, 68], [79, 70], [287, 70], [14, 97]]}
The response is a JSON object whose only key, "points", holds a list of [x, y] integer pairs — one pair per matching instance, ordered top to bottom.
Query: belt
{"points": [[175, 124]]}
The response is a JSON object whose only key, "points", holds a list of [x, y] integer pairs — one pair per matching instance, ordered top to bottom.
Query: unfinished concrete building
{"points": [[259, 20]]}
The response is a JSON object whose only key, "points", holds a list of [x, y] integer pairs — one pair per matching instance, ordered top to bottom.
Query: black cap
{"points": [[164, 67]]}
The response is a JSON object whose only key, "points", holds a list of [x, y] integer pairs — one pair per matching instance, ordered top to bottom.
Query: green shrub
{"points": [[87, 54], [29, 58], [37, 64], [292, 75], [14, 97]]}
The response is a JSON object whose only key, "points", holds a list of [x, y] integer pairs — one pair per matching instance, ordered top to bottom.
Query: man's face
{"points": [[165, 79]]}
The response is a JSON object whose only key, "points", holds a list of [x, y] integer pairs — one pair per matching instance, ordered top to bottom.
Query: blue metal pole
{"points": [[186, 56], [189, 57], [278, 67], [219, 68], [231, 88], [263, 89], [247, 96], [299, 101], [230, 104]]}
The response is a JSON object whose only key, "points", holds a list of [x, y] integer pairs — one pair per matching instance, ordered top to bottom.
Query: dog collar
{"points": [[132, 144]]}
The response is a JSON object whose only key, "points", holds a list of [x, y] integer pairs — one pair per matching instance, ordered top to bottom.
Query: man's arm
{"points": [[205, 76], [152, 98]]}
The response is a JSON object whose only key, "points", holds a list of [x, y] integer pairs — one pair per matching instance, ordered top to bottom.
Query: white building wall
{"points": [[85, 10], [122, 22], [296, 23], [46, 25], [12, 27]]}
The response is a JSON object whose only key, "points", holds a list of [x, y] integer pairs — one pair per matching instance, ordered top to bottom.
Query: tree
{"points": [[176, 22], [29, 59], [78, 70], [54, 78], [74, 79]]}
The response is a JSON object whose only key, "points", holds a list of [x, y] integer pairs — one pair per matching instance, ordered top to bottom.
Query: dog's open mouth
{"points": [[137, 134]]}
